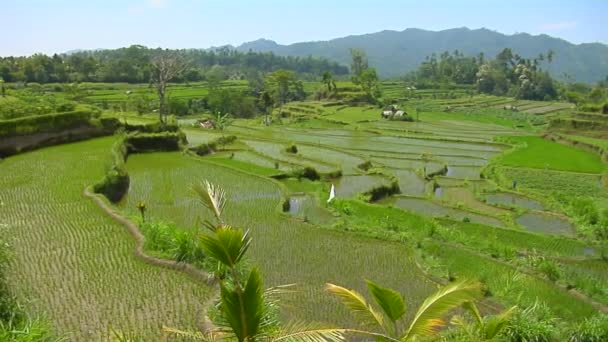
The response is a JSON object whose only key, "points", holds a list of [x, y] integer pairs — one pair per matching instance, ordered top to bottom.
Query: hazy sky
{"points": [[29, 26]]}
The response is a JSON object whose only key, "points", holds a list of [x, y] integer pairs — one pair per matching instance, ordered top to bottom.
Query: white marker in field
{"points": [[332, 193]]}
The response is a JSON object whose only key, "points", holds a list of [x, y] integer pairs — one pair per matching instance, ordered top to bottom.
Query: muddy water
{"points": [[514, 200], [429, 208], [547, 224]]}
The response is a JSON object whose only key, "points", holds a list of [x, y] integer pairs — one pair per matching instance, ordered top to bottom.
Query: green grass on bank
{"points": [[539, 153]]}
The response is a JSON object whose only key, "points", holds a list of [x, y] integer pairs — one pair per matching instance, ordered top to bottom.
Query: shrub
{"points": [[404, 117], [45, 123], [156, 127], [225, 140], [167, 141], [210, 147], [203, 149], [292, 149], [365, 166], [308, 173], [115, 183], [383, 191], [286, 205], [180, 245], [550, 269], [534, 323], [594, 329]]}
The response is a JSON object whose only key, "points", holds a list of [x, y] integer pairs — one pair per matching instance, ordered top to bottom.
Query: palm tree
{"points": [[243, 303], [389, 323]]}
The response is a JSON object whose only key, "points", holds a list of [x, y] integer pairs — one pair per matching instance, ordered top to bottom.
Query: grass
{"points": [[538, 153], [546, 182], [75, 264]]}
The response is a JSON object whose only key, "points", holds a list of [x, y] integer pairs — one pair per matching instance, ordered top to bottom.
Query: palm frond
{"points": [[213, 197], [226, 245], [274, 292], [389, 300], [357, 305], [244, 309], [474, 311], [428, 318], [495, 324], [192, 335], [321, 335]]}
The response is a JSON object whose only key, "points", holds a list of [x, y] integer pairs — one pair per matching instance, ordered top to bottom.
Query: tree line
{"points": [[133, 65], [507, 74]]}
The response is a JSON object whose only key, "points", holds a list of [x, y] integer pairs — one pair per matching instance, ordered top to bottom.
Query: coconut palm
{"points": [[243, 303], [388, 323]]}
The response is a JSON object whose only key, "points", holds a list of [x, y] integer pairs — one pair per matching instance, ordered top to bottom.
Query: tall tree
{"points": [[166, 65], [358, 65], [328, 81], [368, 81], [278, 84], [266, 102]]}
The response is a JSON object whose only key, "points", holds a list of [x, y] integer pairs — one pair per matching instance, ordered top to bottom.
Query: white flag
{"points": [[332, 193]]}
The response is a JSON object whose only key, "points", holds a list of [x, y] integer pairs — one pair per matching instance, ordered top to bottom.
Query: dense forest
{"points": [[132, 65]]}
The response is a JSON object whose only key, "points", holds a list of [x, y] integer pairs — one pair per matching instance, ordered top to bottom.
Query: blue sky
{"points": [[30, 26]]}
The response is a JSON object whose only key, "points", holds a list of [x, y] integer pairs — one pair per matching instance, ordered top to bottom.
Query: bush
{"points": [[404, 117], [45, 123], [156, 127], [225, 140], [167, 141], [210, 147], [203, 149], [292, 149], [365, 166], [308, 173], [115, 183], [383, 191], [286, 205], [180, 245], [550, 269], [534, 323], [594, 329]]}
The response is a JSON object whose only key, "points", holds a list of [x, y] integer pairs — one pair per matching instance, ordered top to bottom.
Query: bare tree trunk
{"points": [[168, 66], [161, 107]]}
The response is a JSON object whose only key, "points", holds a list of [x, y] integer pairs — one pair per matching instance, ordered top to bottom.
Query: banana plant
{"points": [[388, 322]]}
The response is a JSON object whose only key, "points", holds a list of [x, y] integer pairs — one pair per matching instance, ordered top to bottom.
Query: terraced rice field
{"points": [[277, 151], [428, 208], [547, 224], [287, 249], [74, 264], [87, 281]]}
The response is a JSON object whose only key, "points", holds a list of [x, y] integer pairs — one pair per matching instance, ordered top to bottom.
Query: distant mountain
{"points": [[394, 53]]}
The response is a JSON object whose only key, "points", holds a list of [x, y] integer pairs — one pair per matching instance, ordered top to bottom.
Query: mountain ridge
{"points": [[394, 53]]}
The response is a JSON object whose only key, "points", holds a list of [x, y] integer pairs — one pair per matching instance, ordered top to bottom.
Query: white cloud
{"points": [[559, 26]]}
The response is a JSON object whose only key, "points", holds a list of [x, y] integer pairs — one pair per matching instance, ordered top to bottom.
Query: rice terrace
{"points": [[268, 192]]}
